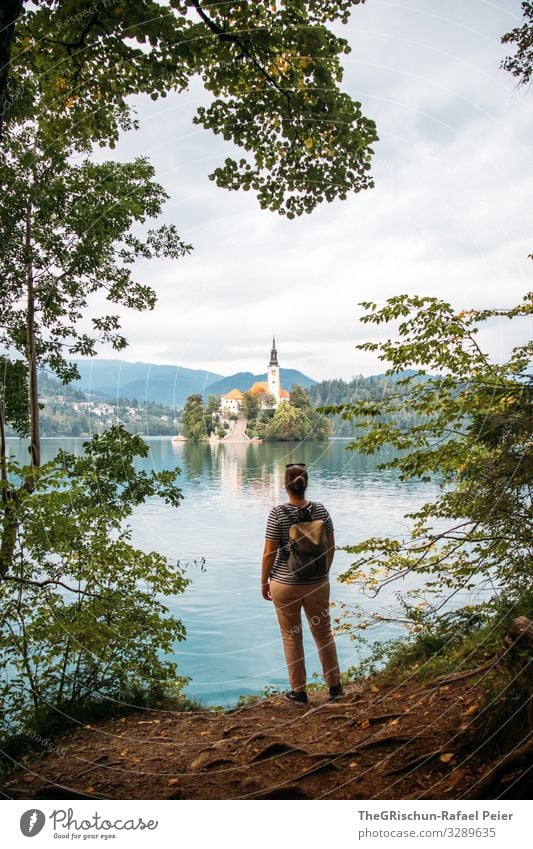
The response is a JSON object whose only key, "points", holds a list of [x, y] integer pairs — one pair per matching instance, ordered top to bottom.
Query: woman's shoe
{"points": [[335, 692], [297, 698]]}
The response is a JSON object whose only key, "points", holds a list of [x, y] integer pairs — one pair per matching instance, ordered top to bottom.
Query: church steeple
{"points": [[273, 354], [274, 385]]}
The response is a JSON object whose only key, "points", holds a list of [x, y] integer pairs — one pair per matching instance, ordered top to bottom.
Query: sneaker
{"points": [[335, 692], [297, 698]]}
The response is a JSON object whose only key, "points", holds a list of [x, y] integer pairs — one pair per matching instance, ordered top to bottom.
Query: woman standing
{"points": [[291, 592]]}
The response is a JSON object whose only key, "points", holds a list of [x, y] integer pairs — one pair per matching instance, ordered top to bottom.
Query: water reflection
{"points": [[233, 644]]}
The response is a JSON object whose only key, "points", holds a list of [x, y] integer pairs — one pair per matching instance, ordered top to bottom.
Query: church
{"points": [[232, 402]]}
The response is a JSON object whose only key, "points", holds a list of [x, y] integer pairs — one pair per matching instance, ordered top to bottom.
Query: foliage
{"points": [[521, 63], [273, 72], [68, 232], [363, 389], [14, 395], [299, 398], [250, 406], [193, 419], [296, 423], [474, 436], [82, 616], [441, 644]]}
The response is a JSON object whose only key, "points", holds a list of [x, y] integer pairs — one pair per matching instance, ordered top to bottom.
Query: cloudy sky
{"points": [[449, 215]]}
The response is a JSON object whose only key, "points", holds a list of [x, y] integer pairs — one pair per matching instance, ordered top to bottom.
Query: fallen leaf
{"points": [[374, 688], [472, 709], [394, 722], [365, 723], [88, 727], [163, 733], [204, 733], [124, 752], [446, 758], [135, 760], [353, 764], [28, 778], [172, 781], [88, 789]]}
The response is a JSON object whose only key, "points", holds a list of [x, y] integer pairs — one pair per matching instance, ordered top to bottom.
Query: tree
{"points": [[521, 63], [273, 71], [67, 234], [299, 398], [213, 404], [250, 406], [192, 419], [291, 423], [284, 424], [473, 433], [82, 615]]}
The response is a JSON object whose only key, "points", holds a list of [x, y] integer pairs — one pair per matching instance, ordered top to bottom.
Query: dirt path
{"points": [[403, 742]]}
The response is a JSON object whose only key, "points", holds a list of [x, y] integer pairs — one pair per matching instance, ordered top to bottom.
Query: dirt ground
{"points": [[401, 742]]}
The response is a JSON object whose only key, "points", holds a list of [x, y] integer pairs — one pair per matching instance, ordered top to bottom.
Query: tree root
{"points": [[456, 676], [374, 720], [414, 762], [493, 776]]}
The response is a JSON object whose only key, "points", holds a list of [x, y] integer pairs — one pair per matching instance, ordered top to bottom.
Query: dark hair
{"points": [[296, 479]]}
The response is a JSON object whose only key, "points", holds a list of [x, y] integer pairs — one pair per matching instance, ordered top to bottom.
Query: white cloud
{"points": [[448, 216]]}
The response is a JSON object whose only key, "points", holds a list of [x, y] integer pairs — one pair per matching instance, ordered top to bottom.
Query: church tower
{"points": [[274, 384]]}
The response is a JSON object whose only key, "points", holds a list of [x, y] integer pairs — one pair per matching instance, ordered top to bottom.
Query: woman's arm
{"points": [[330, 552], [269, 555]]}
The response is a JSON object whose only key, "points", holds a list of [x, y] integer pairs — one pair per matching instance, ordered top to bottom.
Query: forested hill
{"points": [[374, 388]]}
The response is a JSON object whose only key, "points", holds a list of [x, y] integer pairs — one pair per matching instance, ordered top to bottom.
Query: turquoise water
{"points": [[233, 645]]}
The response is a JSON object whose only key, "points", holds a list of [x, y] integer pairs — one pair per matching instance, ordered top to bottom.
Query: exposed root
{"points": [[523, 754]]}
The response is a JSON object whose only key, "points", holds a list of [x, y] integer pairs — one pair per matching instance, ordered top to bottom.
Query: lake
{"points": [[233, 645]]}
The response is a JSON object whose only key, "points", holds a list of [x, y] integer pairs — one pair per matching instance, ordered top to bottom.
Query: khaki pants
{"points": [[314, 598]]}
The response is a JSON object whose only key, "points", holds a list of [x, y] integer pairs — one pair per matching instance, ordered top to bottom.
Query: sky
{"points": [[449, 216]]}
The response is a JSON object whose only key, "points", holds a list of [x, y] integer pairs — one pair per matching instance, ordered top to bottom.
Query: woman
{"points": [[290, 592]]}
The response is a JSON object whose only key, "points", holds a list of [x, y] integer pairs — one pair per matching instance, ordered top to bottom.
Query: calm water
{"points": [[233, 644]]}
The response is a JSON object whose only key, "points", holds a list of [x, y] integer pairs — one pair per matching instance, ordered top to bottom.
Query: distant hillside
{"points": [[243, 380], [142, 381]]}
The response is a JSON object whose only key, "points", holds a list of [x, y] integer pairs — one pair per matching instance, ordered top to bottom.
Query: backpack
{"points": [[307, 546]]}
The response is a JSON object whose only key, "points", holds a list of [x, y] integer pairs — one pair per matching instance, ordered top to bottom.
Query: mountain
{"points": [[243, 380], [144, 381], [170, 385]]}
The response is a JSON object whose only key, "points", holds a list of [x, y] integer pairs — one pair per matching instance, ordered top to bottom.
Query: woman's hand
{"points": [[265, 591]]}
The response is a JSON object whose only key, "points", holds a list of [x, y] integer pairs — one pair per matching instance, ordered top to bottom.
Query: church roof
{"points": [[259, 386], [236, 394], [284, 394]]}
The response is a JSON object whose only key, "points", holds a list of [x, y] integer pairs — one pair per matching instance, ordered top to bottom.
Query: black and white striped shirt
{"points": [[277, 528]]}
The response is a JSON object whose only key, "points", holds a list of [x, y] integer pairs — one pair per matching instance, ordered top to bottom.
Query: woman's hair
{"points": [[296, 479]]}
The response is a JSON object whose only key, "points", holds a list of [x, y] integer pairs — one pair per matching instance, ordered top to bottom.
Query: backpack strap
{"points": [[310, 506]]}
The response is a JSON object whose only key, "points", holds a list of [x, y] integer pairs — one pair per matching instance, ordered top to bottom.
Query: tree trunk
{"points": [[35, 437], [8, 535]]}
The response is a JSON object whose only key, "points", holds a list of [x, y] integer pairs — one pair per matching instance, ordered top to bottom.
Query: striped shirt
{"points": [[277, 528]]}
